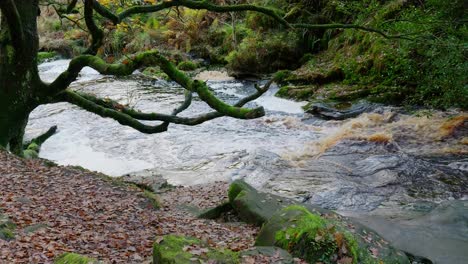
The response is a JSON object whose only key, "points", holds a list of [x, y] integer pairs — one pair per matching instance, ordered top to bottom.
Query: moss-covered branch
{"points": [[204, 4], [105, 12], [97, 34], [148, 59], [124, 119], [189, 121], [33, 147]]}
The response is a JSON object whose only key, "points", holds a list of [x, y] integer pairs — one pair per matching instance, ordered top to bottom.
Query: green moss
{"points": [[10, 53], [44, 56], [187, 66], [155, 72], [282, 76], [302, 92], [30, 154], [236, 187], [154, 199], [7, 228], [313, 238], [172, 250], [223, 256], [73, 258]]}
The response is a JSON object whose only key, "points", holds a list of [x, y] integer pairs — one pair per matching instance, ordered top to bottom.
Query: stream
{"points": [[395, 172]]}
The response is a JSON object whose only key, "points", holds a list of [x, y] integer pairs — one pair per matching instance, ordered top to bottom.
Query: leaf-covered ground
{"points": [[62, 209]]}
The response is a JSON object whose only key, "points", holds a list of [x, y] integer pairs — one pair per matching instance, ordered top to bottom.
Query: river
{"points": [[385, 167]]}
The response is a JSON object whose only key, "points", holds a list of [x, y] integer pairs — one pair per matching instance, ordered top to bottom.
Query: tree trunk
{"points": [[20, 85]]}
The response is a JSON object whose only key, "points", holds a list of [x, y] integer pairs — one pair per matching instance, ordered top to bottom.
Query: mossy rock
{"points": [[45, 56], [187, 66], [157, 73], [301, 92], [153, 199], [252, 206], [215, 212], [7, 228], [319, 239], [186, 250], [73, 258]]}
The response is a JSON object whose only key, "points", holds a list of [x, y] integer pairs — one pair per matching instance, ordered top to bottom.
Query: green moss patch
{"points": [[45, 56], [187, 66], [7, 228], [316, 238], [174, 249], [73, 258]]}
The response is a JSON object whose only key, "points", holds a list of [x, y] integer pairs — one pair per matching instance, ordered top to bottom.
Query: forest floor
{"points": [[64, 209]]}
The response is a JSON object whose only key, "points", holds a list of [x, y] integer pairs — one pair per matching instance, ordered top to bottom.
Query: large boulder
{"points": [[252, 206], [309, 232], [326, 238]]}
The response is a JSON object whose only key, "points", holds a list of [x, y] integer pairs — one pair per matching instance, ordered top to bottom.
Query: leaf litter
{"points": [[74, 210]]}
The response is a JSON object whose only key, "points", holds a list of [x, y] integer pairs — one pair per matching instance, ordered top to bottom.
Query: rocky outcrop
{"points": [[309, 232]]}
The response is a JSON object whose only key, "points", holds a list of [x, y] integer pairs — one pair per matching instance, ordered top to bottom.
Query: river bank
{"points": [[54, 210]]}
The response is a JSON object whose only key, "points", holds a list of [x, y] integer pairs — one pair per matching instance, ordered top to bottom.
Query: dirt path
{"points": [[78, 211]]}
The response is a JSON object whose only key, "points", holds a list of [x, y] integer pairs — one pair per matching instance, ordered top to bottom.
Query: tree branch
{"points": [[204, 4], [105, 12], [13, 20], [346, 26], [97, 34], [151, 58], [124, 119], [189, 121]]}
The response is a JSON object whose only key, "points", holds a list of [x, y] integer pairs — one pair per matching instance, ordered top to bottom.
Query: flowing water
{"points": [[385, 164]]}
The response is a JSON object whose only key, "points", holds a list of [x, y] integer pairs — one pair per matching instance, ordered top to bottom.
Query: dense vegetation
{"points": [[426, 66]]}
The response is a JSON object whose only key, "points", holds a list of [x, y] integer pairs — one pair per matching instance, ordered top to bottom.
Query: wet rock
{"points": [[340, 111], [358, 175], [147, 179], [440, 236], [325, 238]]}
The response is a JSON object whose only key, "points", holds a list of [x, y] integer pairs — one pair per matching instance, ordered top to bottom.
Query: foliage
{"points": [[265, 53], [187, 66], [428, 70]]}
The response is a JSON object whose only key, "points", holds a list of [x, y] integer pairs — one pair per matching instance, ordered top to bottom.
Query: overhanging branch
{"points": [[97, 34], [151, 58], [189, 121]]}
